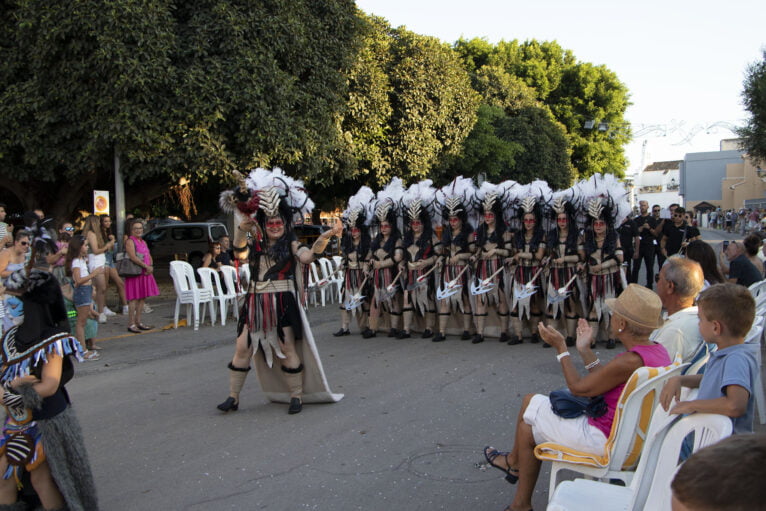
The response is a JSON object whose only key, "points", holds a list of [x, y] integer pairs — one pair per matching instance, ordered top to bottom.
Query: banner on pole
{"points": [[100, 202]]}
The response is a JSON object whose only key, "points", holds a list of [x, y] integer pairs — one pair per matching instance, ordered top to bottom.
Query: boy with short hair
{"points": [[726, 313]]}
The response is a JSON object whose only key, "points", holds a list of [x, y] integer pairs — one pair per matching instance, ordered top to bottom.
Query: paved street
{"points": [[408, 435]]}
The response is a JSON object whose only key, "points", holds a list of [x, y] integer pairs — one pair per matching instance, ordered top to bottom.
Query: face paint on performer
{"points": [[489, 218], [529, 221], [562, 221], [455, 223], [416, 226], [599, 226], [275, 227], [385, 228], [356, 233]]}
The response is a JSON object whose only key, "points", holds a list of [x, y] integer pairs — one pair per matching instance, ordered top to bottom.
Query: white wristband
{"points": [[562, 355], [593, 364]]}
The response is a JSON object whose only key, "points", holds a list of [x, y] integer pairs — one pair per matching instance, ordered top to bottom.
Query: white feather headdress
{"points": [[418, 197], [358, 207]]}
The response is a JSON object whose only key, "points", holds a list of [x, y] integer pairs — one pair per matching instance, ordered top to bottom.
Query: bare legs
{"points": [[111, 274], [135, 308], [522, 458], [42, 482]]}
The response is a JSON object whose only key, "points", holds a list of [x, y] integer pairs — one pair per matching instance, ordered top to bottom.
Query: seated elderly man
{"points": [[680, 281]]}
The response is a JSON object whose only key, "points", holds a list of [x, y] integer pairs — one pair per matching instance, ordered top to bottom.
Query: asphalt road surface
{"points": [[408, 435]]}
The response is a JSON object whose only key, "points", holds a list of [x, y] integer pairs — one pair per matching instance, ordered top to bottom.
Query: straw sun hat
{"points": [[638, 305]]}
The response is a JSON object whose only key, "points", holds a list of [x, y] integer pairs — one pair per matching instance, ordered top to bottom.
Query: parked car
{"points": [[308, 233], [187, 241]]}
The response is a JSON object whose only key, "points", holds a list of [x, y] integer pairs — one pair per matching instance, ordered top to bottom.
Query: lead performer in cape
{"points": [[273, 329]]}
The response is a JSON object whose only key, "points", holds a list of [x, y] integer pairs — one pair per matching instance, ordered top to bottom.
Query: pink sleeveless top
{"points": [[654, 355]]}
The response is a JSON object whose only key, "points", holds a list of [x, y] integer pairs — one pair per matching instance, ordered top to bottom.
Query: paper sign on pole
{"points": [[100, 202]]}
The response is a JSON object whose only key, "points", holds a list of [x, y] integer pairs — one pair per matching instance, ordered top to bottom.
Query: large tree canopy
{"points": [[517, 76], [175, 88], [754, 99]]}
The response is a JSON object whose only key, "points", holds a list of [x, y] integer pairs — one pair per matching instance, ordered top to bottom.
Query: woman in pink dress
{"points": [[140, 287]]}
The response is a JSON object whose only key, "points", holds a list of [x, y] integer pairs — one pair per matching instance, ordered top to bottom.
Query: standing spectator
{"points": [[730, 216], [713, 219], [752, 220], [645, 223], [6, 231], [657, 231], [677, 233], [629, 240], [752, 244], [704, 254], [15, 257], [56, 259], [97, 259], [740, 270], [111, 272], [140, 287], [82, 296]]}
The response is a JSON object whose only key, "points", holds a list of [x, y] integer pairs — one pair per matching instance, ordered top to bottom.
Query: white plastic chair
{"points": [[337, 261], [333, 279], [230, 280], [758, 288], [315, 290], [188, 293], [221, 294], [753, 343], [622, 451], [650, 488]]}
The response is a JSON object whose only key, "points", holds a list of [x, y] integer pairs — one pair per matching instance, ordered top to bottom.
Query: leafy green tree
{"points": [[177, 89], [753, 134]]}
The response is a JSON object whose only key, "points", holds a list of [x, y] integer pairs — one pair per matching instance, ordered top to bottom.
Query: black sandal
{"points": [[490, 454]]}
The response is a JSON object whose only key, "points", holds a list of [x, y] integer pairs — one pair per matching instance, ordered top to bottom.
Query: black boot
{"points": [[341, 332], [393, 332], [368, 333], [428, 333], [403, 334], [466, 335], [439, 337], [503, 337], [477, 339], [534, 339], [515, 340], [570, 341], [610, 344], [546, 345], [230, 405], [295, 406]]}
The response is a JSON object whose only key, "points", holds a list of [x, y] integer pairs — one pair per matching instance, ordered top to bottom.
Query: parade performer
{"points": [[355, 245], [529, 245], [492, 247], [455, 248], [602, 251], [565, 252], [386, 254], [419, 258], [272, 321], [41, 434]]}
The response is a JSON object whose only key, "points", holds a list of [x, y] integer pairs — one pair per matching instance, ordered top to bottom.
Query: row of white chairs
{"points": [[325, 280], [211, 291]]}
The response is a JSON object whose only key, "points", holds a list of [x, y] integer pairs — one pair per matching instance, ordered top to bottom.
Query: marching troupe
{"points": [[493, 260]]}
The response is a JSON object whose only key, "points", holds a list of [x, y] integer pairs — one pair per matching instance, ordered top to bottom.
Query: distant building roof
{"points": [[663, 166]]}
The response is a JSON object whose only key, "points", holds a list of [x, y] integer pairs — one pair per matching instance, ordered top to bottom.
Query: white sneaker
{"points": [[125, 309], [147, 309], [108, 311], [102, 318]]}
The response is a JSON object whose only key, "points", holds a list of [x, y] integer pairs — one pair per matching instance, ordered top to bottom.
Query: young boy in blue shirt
{"points": [[726, 313]]}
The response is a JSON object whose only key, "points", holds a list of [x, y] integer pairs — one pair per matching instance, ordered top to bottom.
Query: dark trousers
{"points": [[645, 254], [628, 259]]}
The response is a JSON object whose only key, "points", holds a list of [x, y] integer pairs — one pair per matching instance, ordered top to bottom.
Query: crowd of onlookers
{"points": [[741, 221], [83, 260]]}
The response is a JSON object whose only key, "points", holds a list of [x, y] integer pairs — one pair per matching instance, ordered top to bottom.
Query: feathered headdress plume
{"points": [[603, 196], [455, 198], [388, 201], [357, 213]]}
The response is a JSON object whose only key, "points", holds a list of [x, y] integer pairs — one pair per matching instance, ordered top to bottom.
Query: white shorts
{"points": [[96, 261], [549, 427]]}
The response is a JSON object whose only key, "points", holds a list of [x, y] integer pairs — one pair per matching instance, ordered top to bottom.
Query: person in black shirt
{"points": [[645, 224], [676, 234], [629, 239], [226, 256], [740, 270]]}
